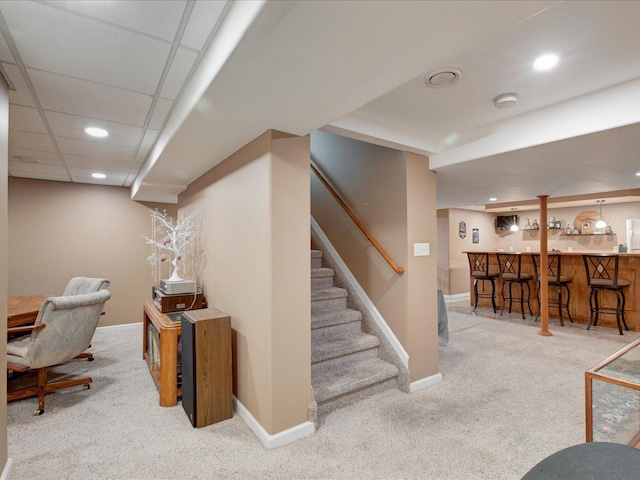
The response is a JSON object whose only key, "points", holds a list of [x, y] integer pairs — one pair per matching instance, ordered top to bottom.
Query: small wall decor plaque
{"points": [[462, 230], [475, 236]]}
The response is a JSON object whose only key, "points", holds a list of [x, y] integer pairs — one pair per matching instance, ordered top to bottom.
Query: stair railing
{"points": [[363, 229]]}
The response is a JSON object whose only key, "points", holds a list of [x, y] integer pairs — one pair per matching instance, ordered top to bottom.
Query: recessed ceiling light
{"points": [[546, 62], [96, 132], [24, 159], [637, 174], [98, 175], [493, 199]]}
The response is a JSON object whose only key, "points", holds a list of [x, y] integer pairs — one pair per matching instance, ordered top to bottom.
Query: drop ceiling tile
{"points": [[159, 18], [203, 18], [93, 50], [5, 53], [180, 68], [21, 95], [78, 97], [160, 113], [26, 119], [73, 126], [149, 138], [31, 141], [88, 148], [141, 156], [43, 158], [96, 164], [17, 168], [135, 168], [83, 175], [42, 176], [130, 180]]}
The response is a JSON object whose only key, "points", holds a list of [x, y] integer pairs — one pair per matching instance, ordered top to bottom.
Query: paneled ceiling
{"points": [[120, 66], [181, 84]]}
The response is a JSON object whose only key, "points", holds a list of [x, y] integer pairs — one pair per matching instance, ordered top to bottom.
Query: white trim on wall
{"points": [[457, 297], [375, 314], [124, 326], [425, 383], [279, 439], [6, 472]]}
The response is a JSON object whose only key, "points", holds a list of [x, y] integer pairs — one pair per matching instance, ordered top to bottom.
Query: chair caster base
{"points": [[90, 359], [37, 413]]}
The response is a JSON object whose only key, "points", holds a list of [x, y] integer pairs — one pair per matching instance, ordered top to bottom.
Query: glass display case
{"points": [[613, 398]]}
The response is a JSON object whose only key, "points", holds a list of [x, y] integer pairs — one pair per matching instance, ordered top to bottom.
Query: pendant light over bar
{"points": [[600, 223]]}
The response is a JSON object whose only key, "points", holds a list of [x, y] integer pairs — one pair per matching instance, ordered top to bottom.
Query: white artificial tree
{"points": [[171, 242]]}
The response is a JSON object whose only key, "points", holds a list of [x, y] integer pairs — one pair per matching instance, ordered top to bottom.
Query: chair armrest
{"points": [[27, 328], [17, 368]]}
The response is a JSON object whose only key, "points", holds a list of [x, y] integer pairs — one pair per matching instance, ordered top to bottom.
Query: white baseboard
{"points": [[457, 297], [124, 326], [425, 383], [279, 439], [6, 472]]}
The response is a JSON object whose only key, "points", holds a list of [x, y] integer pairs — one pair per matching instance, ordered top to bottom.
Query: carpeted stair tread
{"points": [[316, 259], [321, 272], [328, 294], [338, 317], [341, 344], [346, 377]]}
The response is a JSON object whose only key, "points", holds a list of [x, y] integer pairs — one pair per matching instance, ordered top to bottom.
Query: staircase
{"points": [[345, 366]]}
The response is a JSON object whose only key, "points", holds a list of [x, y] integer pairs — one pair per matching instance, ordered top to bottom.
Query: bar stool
{"points": [[479, 267], [510, 273], [602, 275], [556, 279]]}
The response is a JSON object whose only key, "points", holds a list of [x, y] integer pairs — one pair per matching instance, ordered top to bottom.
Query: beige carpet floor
{"points": [[509, 399]]}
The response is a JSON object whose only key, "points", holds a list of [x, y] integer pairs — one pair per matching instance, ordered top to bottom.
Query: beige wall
{"points": [[4, 162], [393, 194], [255, 208], [614, 213], [59, 230], [443, 250], [458, 262], [422, 315]]}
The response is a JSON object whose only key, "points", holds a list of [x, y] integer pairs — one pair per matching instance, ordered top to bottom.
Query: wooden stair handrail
{"points": [[362, 228]]}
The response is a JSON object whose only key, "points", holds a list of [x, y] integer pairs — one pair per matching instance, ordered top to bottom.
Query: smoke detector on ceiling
{"points": [[442, 77], [505, 100]]}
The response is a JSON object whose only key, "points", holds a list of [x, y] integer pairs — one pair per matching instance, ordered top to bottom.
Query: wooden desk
{"points": [[23, 310]]}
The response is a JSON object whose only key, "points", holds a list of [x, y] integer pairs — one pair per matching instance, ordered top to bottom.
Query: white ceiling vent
{"points": [[442, 77]]}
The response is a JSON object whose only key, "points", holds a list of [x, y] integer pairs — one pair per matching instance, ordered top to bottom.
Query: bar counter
{"points": [[572, 266]]}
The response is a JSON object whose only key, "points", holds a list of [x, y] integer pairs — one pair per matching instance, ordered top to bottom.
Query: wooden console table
{"points": [[165, 370]]}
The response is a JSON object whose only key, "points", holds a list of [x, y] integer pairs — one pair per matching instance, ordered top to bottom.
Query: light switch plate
{"points": [[420, 249]]}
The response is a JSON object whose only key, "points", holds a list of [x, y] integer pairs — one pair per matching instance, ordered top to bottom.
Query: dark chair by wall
{"points": [[480, 271], [511, 273], [602, 276], [557, 280]]}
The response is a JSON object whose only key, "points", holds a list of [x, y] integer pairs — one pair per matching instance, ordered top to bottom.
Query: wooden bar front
{"points": [[573, 266]]}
